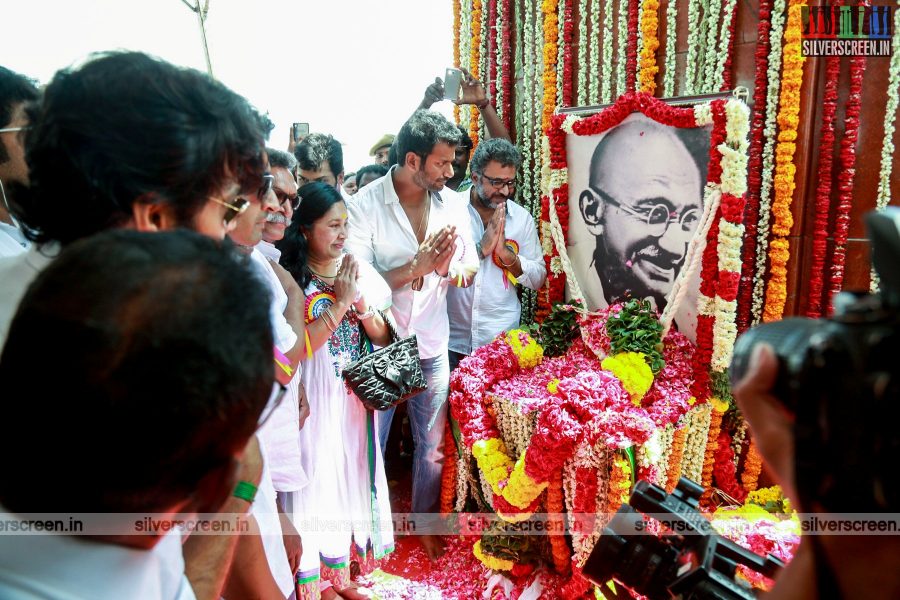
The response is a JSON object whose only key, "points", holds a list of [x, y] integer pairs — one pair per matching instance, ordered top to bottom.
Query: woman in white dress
{"points": [[346, 500]]}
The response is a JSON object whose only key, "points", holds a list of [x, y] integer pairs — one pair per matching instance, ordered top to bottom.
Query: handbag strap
{"points": [[365, 344]]}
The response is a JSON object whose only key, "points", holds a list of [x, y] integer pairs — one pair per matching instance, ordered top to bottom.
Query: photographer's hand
{"points": [[433, 93], [771, 424]]}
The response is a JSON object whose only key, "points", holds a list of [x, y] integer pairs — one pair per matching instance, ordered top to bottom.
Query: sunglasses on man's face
{"points": [[284, 197], [236, 207]]}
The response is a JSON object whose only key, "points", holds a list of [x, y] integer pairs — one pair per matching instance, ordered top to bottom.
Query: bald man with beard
{"points": [[643, 204]]}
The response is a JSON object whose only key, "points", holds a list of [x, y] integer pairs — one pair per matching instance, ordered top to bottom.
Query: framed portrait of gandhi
{"points": [[635, 202]]}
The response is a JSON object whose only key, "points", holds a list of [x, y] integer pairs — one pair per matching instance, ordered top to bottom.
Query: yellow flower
{"points": [[528, 352], [632, 370], [553, 386], [493, 461], [522, 489], [490, 561]]}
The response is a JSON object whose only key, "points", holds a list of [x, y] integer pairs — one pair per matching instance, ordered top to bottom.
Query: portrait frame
{"points": [[715, 249]]}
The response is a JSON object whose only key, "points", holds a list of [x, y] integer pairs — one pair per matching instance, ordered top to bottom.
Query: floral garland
{"points": [[583, 17], [551, 25], [456, 26], [671, 26], [649, 30], [726, 39], [622, 41], [568, 43], [693, 50], [631, 51], [560, 52], [465, 53], [492, 53], [710, 59], [475, 65], [606, 67], [773, 75], [593, 96], [526, 107], [890, 114], [537, 131], [785, 170], [846, 175], [823, 188], [751, 214], [718, 408], [695, 445], [676, 458], [752, 468], [725, 469], [449, 472], [585, 479], [559, 548]]}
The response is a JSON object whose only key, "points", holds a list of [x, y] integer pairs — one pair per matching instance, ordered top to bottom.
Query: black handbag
{"points": [[386, 377]]}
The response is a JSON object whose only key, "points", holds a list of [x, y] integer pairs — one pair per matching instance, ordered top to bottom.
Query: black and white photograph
{"points": [[635, 202]]}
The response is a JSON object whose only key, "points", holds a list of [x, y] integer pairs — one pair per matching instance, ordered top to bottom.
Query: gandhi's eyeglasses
{"points": [[657, 217]]}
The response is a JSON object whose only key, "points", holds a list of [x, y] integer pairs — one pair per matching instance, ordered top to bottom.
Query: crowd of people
{"points": [[204, 293], [177, 304]]}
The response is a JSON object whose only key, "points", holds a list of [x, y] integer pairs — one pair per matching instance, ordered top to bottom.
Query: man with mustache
{"points": [[643, 204]]}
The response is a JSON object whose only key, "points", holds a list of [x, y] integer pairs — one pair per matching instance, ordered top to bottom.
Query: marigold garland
{"points": [[549, 9], [649, 31], [475, 65], [785, 170], [846, 176], [823, 188], [712, 444], [677, 455], [752, 468], [448, 473], [560, 549], [490, 561]]}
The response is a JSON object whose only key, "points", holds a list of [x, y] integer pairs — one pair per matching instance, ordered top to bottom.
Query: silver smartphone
{"points": [[452, 79]]}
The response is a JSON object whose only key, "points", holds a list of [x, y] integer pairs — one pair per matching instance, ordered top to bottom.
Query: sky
{"points": [[353, 68]]}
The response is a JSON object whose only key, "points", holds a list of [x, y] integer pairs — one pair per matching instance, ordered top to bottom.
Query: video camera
{"points": [[839, 378], [689, 561]]}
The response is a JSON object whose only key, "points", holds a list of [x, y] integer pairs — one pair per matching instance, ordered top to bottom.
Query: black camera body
{"points": [[839, 378], [690, 561]]}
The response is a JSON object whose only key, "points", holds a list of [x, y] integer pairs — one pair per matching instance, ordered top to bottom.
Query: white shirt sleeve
{"points": [[359, 236]]}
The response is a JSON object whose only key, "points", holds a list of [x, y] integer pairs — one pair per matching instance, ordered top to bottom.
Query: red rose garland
{"points": [[505, 64], [726, 71], [754, 165], [845, 177], [823, 188], [724, 471]]}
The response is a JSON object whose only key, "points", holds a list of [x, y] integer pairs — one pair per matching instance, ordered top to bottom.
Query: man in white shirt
{"points": [[15, 92], [421, 243], [508, 247], [170, 381]]}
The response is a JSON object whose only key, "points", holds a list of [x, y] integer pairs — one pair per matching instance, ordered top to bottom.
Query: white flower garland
{"points": [[583, 17], [671, 26], [724, 43], [621, 46], [498, 49], [594, 53], [465, 54], [560, 54], [710, 60], [483, 63], [690, 64], [606, 83], [526, 105], [537, 106], [890, 114], [768, 159], [737, 441], [695, 442], [597, 459]]}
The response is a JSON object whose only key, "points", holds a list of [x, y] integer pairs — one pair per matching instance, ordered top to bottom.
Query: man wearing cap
{"points": [[382, 149]]}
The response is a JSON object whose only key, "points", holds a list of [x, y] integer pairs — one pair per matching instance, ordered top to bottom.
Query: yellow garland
{"points": [[456, 23], [649, 30], [551, 51], [475, 63], [785, 170], [530, 354], [632, 370], [719, 407], [619, 483], [520, 489], [490, 561]]}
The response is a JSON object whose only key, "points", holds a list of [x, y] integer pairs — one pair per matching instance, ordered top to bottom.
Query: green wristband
{"points": [[245, 491]]}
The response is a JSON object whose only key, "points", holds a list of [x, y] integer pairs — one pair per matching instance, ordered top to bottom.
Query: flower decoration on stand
{"points": [[649, 29]]}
